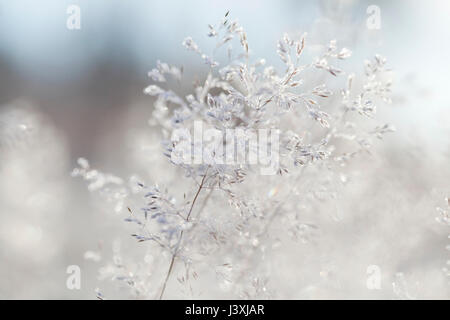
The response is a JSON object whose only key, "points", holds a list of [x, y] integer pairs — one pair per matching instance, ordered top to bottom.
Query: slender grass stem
{"points": [[174, 255]]}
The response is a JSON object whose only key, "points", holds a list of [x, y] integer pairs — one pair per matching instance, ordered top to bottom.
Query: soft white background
{"points": [[66, 94]]}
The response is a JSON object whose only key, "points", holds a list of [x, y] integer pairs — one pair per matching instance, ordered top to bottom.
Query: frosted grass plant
{"points": [[229, 218]]}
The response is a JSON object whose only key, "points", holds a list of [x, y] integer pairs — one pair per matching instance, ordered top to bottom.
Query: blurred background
{"points": [[67, 93]]}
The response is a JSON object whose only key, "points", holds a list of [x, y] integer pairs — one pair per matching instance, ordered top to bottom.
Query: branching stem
{"points": [[174, 255]]}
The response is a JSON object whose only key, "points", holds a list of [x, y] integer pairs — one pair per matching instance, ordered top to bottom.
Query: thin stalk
{"points": [[172, 261]]}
